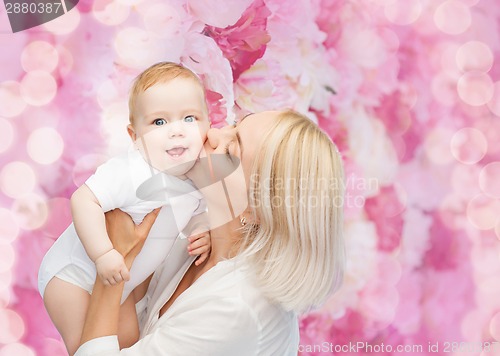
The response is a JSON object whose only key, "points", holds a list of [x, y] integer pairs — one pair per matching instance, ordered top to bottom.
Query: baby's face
{"points": [[170, 125]]}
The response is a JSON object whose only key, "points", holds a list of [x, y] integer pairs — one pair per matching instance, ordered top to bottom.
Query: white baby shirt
{"points": [[128, 182]]}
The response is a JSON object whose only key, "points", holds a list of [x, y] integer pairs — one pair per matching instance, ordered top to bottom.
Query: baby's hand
{"points": [[199, 244], [111, 268]]}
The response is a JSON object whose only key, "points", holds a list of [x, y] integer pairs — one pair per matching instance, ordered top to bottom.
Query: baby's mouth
{"points": [[176, 151]]}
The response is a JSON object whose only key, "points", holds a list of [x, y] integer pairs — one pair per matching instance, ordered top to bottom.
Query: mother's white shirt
{"points": [[222, 313]]}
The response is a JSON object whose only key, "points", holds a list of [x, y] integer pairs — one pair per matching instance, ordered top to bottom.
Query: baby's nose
{"points": [[175, 129]]}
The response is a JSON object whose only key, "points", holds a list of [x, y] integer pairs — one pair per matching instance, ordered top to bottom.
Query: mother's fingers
{"points": [[145, 226]]}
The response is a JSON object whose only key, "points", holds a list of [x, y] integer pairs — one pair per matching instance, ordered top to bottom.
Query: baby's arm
{"points": [[90, 226], [198, 231]]}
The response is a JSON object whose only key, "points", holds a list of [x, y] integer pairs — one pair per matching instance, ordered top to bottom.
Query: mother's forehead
{"points": [[260, 118]]}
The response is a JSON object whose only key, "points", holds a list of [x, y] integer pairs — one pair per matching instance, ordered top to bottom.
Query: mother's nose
{"points": [[220, 138]]}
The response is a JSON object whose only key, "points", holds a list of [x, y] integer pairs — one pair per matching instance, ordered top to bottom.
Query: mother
{"points": [[283, 255]]}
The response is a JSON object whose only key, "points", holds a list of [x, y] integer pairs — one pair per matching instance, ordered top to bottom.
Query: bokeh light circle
{"points": [[130, 2], [383, 2], [470, 3], [110, 12], [403, 12], [452, 17], [162, 19], [63, 25], [136, 47], [445, 53], [39, 55], [474, 56], [65, 61], [38, 88], [443, 88], [475, 88], [106, 93], [10, 97], [409, 97], [494, 103], [115, 115], [36, 117], [489, 125], [6, 135], [45, 145], [436, 145], [468, 145], [86, 166], [17, 179], [463, 180], [489, 180], [451, 211], [483, 211], [31, 212], [59, 217], [497, 228], [9, 230], [7, 256], [483, 259], [5, 281], [487, 289], [471, 325], [495, 326], [11, 327], [53, 347], [16, 349]]}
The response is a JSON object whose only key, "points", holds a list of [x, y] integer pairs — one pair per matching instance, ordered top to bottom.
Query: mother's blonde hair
{"points": [[296, 194]]}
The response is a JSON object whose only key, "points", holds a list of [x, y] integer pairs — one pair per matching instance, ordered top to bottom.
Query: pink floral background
{"points": [[408, 89]]}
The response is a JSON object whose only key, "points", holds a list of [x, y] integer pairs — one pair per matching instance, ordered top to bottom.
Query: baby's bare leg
{"points": [[67, 306]]}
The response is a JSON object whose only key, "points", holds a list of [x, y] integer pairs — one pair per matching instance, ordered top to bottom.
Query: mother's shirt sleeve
{"points": [[215, 327]]}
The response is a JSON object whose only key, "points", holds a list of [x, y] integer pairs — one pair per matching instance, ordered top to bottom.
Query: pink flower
{"points": [[218, 13], [329, 20], [245, 41], [216, 73], [348, 83], [264, 87], [216, 109], [334, 128], [371, 149], [385, 210], [415, 238], [448, 248], [447, 297], [408, 312], [313, 327]]}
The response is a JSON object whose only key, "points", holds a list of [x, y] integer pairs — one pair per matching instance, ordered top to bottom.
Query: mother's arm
{"points": [[104, 309], [215, 325]]}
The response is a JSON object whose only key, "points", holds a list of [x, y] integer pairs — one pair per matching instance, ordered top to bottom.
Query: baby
{"points": [[168, 124]]}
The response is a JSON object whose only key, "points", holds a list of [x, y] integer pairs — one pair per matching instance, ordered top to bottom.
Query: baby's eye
{"points": [[190, 118], [159, 122]]}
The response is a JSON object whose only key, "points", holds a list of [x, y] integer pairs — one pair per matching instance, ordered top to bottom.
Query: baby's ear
{"points": [[131, 132]]}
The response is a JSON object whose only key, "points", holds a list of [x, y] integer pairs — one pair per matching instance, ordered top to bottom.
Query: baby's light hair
{"points": [[158, 73], [296, 194]]}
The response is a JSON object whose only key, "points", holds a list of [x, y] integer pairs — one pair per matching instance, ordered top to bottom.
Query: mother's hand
{"points": [[126, 237]]}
